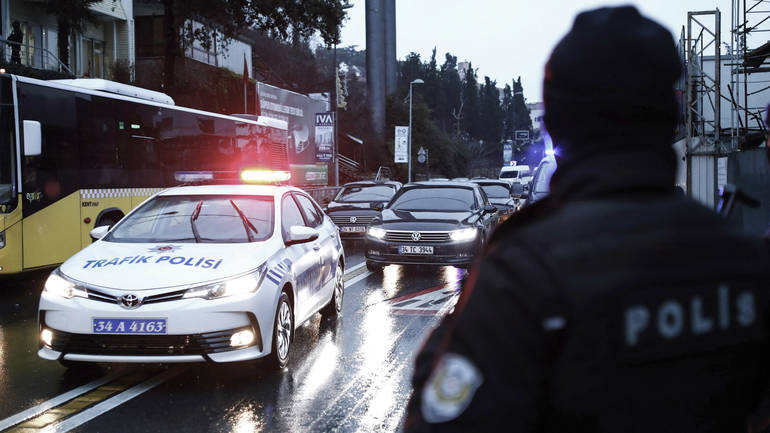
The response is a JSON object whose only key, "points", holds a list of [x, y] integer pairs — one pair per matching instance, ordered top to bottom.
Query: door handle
{"points": [[316, 247]]}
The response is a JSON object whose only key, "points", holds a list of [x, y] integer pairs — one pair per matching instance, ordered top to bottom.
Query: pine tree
{"points": [[470, 98]]}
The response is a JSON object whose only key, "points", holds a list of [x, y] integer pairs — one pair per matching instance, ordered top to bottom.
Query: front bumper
{"points": [[444, 253], [197, 330]]}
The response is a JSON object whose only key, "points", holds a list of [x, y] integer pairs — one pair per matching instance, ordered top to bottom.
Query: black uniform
{"points": [[615, 304], [627, 307]]}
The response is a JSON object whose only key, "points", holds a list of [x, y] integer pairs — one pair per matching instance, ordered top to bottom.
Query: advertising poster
{"points": [[299, 112], [324, 136], [401, 149], [507, 152]]}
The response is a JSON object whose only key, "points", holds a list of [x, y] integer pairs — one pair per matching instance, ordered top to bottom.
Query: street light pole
{"points": [[417, 81]]}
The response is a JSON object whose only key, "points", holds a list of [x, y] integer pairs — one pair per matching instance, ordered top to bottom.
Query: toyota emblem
{"points": [[353, 219], [416, 236], [129, 301]]}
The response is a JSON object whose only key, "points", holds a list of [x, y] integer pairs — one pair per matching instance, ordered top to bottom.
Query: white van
{"points": [[515, 174]]}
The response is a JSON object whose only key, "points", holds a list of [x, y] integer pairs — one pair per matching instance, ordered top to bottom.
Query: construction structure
{"points": [[725, 91]]}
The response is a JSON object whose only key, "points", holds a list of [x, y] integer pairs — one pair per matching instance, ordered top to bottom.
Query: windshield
{"points": [[7, 140], [496, 191], [365, 193], [435, 200], [211, 219]]}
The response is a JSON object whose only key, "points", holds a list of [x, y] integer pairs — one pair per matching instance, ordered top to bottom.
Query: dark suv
{"points": [[358, 203]]}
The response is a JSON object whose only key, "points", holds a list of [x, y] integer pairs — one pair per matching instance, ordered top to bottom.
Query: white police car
{"points": [[196, 273]]}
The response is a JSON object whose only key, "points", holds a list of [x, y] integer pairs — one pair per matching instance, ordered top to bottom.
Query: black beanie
{"points": [[610, 83]]}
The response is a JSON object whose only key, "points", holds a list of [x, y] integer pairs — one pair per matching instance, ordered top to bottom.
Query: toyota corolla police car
{"points": [[196, 273]]}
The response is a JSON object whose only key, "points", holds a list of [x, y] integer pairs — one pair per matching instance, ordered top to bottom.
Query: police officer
{"points": [[614, 304]]}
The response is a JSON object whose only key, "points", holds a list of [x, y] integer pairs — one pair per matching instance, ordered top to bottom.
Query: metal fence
{"points": [[323, 195]]}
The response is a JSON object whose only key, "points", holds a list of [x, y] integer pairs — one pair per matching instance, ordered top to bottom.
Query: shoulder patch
{"points": [[450, 388]]}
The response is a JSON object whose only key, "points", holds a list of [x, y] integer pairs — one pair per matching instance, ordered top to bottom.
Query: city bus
{"points": [[78, 154]]}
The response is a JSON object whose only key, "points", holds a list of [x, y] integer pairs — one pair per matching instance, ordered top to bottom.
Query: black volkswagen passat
{"points": [[499, 194], [358, 203], [431, 223]]}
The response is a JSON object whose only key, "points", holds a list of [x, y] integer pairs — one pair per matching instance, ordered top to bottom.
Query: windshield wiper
{"points": [[194, 217], [246, 223]]}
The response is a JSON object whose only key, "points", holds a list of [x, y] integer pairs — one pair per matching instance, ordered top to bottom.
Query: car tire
{"points": [[373, 267], [334, 307], [283, 332]]}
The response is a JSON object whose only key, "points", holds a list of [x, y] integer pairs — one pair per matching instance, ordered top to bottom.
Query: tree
{"points": [[72, 16], [222, 20], [450, 97], [470, 102], [508, 113], [491, 114], [520, 116]]}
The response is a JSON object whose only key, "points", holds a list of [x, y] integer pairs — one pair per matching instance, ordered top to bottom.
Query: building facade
{"points": [[104, 46]]}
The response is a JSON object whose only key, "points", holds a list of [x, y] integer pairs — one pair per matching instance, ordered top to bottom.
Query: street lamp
{"points": [[417, 81]]}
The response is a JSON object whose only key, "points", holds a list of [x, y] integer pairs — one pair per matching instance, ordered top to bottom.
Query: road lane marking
{"points": [[354, 272], [429, 302], [96, 395], [58, 400], [114, 401]]}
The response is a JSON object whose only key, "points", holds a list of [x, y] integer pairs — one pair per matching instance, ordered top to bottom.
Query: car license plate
{"points": [[353, 229], [415, 249], [129, 326]]}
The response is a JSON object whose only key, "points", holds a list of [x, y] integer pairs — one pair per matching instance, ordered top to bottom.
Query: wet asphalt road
{"points": [[349, 374]]}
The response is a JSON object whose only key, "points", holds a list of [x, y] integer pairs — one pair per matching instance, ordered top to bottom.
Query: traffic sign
{"points": [[522, 134], [401, 152]]}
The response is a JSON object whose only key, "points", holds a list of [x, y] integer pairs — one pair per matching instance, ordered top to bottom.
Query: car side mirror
{"points": [[32, 138], [517, 190], [378, 206], [489, 209], [99, 232], [301, 235]]}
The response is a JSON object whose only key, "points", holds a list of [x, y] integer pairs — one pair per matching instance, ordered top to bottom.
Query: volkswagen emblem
{"points": [[353, 219], [416, 236], [129, 301]]}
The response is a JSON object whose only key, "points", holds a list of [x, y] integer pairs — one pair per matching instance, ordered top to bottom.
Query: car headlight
{"points": [[376, 232], [463, 234], [248, 283], [58, 285]]}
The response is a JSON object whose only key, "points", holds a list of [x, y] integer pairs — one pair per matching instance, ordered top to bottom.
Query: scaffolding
{"points": [[725, 91]]}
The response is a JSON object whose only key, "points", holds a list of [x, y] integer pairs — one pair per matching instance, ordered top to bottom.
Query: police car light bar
{"points": [[193, 176], [265, 176]]}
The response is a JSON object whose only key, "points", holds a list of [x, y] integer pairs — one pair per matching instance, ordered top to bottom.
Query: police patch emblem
{"points": [[164, 249], [450, 388]]}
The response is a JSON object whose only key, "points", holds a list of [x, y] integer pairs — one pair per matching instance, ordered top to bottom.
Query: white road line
{"points": [[355, 268], [357, 278], [58, 400], [113, 402]]}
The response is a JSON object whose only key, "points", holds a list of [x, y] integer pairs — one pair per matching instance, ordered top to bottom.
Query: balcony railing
{"points": [[31, 56]]}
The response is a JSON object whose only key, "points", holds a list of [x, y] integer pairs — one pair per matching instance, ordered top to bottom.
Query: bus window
{"points": [[7, 141]]}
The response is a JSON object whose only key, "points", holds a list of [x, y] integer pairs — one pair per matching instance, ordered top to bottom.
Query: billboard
{"points": [[299, 112], [324, 136]]}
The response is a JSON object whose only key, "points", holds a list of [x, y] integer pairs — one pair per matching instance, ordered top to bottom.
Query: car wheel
{"points": [[373, 267], [334, 308], [282, 333]]}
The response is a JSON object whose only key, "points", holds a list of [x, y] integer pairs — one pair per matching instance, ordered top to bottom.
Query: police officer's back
{"points": [[615, 304]]}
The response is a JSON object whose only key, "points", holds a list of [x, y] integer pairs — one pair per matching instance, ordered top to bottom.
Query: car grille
{"points": [[360, 219], [406, 236], [96, 295], [98, 344]]}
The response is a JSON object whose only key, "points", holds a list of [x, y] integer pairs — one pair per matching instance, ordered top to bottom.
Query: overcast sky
{"points": [[506, 38]]}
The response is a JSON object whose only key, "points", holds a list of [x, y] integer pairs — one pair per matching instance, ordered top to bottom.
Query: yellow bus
{"points": [[78, 154]]}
